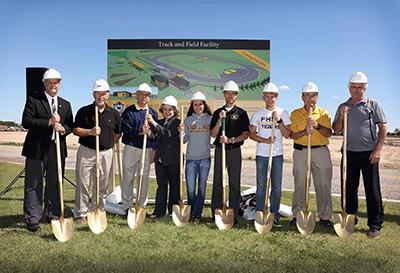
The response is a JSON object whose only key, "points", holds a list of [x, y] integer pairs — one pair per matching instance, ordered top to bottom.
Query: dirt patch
{"points": [[389, 156]]}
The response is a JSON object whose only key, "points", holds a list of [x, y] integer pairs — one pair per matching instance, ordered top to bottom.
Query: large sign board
{"points": [[182, 67]]}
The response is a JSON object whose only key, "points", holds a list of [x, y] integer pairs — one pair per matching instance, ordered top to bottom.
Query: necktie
{"points": [[53, 105]]}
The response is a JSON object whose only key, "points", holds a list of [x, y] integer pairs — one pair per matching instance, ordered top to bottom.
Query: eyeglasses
{"points": [[359, 88], [311, 96]]}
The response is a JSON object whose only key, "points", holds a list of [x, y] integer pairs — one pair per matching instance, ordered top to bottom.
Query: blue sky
{"points": [[319, 41]]}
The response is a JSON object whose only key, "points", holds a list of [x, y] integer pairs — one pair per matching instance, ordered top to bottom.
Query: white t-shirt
{"points": [[262, 119]]}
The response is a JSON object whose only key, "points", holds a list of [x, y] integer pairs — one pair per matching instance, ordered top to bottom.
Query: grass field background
{"points": [[160, 246]]}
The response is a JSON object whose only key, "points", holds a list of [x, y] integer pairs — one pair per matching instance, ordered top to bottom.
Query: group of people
{"points": [[47, 113]]}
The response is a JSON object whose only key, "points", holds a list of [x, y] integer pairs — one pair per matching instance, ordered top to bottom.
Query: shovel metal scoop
{"points": [[181, 212], [137, 215], [224, 218], [306, 219], [97, 220], [265, 220], [344, 223], [63, 228]]}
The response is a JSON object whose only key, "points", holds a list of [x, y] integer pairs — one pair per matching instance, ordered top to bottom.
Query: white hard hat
{"points": [[51, 74], [358, 77], [101, 85], [231, 86], [144, 87], [310, 87], [271, 88], [198, 96], [170, 100]]}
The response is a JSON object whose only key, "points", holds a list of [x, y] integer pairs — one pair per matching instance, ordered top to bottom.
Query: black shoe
{"points": [[155, 216], [48, 219], [293, 221], [356, 221], [326, 223], [34, 228], [373, 233]]}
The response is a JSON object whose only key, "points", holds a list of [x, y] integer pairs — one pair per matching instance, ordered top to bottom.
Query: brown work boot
{"points": [[81, 220]]}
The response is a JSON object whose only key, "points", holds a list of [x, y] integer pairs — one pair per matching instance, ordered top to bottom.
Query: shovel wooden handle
{"points": [[271, 152], [97, 159], [344, 161], [181, 163], [308, 163], [223, 168], [59, 172], [139, 191]]}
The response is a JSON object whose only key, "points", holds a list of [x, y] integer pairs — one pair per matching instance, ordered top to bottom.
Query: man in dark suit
{"points": [[44, 114]]}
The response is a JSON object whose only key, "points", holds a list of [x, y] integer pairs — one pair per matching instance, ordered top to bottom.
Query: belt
{"points": [[228, 147], [301, 147]]}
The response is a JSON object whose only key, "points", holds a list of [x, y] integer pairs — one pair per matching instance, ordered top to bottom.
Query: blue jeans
{"points": [[196, 168], [276, 183]]}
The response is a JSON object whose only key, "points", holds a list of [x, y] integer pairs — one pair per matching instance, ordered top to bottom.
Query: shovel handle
{"points": [[271, 152], [97, 158], [181, 162], [308, 162], [223, 168], [344, 175], [60, 176], [139, 191]]}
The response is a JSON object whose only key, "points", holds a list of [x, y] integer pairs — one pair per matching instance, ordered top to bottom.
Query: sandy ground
{"points": [[390, 155]]}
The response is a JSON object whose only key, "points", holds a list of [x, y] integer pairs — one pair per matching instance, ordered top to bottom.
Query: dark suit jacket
{"points": [[36, 119], [168, 141]]}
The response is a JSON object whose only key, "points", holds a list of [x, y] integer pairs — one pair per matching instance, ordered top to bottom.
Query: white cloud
{"points": [[284, 88], [335, 97]]}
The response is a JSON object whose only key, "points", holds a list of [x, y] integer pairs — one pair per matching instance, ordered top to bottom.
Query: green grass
{"points": [[12, 144], [159, 245]]}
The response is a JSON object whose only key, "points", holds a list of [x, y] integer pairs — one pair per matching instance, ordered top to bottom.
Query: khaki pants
{"points": [[131, 160], [321, 170], [85, 171]]}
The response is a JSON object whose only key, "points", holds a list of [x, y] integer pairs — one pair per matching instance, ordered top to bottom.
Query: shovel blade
{"points": [[181, 214], [136, 217], [224, 218], [97, 221], [264, 221], [305, 222], [344, 224], [63, 228]]}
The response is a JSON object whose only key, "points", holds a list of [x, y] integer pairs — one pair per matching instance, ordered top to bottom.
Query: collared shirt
{"points": [[50, 99], [109, 122], [237, 122], [299, 122], [132, 123], [361, 124]]}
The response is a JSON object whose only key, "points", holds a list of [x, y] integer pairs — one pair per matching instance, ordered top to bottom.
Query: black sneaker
{"points": [[293, 222], [326, 223], [34, 228], [373, 233]]}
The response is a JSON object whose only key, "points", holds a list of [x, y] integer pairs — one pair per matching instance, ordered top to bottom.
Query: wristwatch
{"points": [[279, 121], [319, 126], [233, 140]]}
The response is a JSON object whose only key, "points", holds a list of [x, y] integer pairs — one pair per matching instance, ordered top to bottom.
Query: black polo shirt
{"points": [[109, 122], [237, 122]]}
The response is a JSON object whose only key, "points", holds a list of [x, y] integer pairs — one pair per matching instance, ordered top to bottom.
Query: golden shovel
{"points": [[181, 212], [137, 215], [224, 218], [306, 219], [97, 220], [265, 220], [344, 223], [63, 228]]}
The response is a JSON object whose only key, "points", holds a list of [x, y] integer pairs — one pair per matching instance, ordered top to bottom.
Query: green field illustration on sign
{"points": [[182, 72]]}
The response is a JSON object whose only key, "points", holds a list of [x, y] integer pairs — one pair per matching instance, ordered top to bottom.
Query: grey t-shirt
{"points": [[361, 124], [197, 132]]}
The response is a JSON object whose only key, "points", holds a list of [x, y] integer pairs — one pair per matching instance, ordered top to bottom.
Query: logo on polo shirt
{"points": [[234, 116]]}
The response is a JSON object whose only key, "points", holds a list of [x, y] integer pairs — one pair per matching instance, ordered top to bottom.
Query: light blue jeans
{"points": [[193, 169], [276, 183]]}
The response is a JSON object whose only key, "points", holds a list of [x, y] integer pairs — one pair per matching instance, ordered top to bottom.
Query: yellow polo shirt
{"points": [[299, 122]]}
